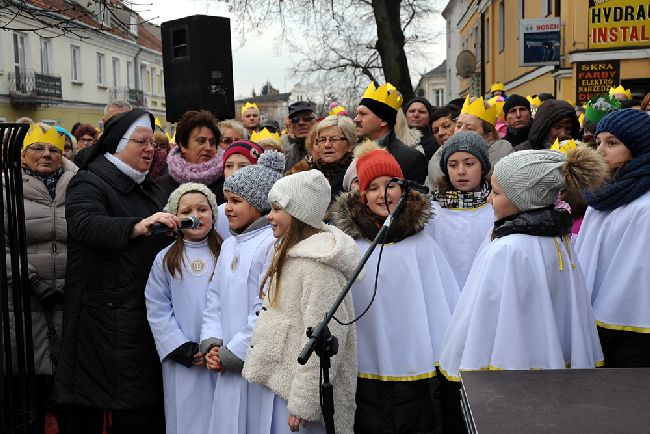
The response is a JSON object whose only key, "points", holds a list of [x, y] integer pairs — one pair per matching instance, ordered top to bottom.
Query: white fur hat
{"points": [[303, 195]]}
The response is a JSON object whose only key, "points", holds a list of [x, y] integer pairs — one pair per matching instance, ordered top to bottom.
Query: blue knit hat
{"points": [[630, 126]]}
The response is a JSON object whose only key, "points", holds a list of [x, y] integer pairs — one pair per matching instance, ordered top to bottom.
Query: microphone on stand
{"points": [[411, 185], [191, 222]]}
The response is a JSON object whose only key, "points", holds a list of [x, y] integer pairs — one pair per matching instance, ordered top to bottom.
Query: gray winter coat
{"points": [[46, 232]]}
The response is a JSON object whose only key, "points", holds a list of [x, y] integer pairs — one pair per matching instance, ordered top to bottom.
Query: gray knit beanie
{"points": [[466, 141], [531, 179], [253, 183], [191, 187], [303, 195]]}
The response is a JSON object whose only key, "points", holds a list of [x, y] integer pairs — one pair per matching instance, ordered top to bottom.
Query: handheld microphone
{"points": [[411, 185], [191, 222]]}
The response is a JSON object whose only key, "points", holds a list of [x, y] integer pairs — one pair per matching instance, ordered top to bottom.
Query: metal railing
{"points": [[32, 84], [133, 96]]}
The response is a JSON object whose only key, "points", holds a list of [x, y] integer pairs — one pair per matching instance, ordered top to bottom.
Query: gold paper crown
{"points": [[497, 86], [614, 90], [386, 94], [534, 101], [247, 106], [477, 108], [336, 110], [581, 118], [158, 124], [264, 134], [36, 135], [569, 145]]}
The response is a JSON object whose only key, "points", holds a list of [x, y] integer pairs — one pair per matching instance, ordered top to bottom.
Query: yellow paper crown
{"points": [[497, 86], [614, 90], [386, 94], [534, 101], [247, 106], [477, 108], [336, 110], [581, 118], [158, 124], [264, 134], [36, 135], [569, 145]]}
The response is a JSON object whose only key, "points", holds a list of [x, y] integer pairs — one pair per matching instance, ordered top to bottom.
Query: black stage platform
{"points": [[557, 401]]}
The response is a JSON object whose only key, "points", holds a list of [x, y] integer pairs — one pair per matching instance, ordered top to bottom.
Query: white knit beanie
{"points": [[531, 179], [191, 187], [303, 195]]}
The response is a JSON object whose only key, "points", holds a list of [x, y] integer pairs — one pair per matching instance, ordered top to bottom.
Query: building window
{"points": [[103, 13], [133, 24], [502, 26], [487, 40], [19, 52], [46, 56], [75, 67], [101, 69], [116, 72], [129, 74], [143, 76], [162, 84], [152, 86], [438, 97]]}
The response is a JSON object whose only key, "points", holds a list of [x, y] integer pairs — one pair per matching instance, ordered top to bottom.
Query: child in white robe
{"points": [[463, 217], [613, 241], [311, 264], [233, 297], [175, 298], [525, 303], [400, 336]]}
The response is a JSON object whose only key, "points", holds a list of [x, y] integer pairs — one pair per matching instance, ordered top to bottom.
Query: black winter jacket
{"points": [[548, 113], [412, 162], [108, 358]]}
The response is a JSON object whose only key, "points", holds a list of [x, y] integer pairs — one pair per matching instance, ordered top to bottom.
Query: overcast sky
{"points": [[251, 61]]}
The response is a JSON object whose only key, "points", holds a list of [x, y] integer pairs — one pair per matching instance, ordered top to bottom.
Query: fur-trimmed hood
{"points": [[354, 218], [332, 247]]}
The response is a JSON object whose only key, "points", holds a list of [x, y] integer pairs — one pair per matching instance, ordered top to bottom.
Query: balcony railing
{"points": [[33, 87], [133, 96]]}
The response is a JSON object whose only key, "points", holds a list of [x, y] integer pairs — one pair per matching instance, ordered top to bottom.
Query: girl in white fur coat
{"points": [[311, 264]]}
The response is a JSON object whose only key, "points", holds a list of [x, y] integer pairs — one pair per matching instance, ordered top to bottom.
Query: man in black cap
{"points": [[418, 113], [302, 119], [518, 119], [375, 120], [271, 125]]}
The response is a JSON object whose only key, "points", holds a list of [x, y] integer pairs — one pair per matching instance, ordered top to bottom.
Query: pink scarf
{"points": [[183, 171]]}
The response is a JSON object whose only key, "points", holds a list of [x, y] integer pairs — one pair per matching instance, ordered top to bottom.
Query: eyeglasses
{"points": [[305, 118], [86, 140], [204, 140], [228, 140], [332, 140], [144, 142], [39, 149]]}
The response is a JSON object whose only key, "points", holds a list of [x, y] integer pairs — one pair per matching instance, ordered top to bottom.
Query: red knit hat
{"points": [[248, 149], [374, 164]]}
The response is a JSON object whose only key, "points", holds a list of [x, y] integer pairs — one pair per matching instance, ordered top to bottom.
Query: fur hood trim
{"points": [[348, 211], [332, 247]]}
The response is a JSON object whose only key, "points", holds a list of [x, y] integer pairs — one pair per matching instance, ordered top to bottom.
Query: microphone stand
{"points": [[323, 342]]}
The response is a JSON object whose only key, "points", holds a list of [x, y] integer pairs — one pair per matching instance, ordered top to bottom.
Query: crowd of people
{"points": [[526, 254]]}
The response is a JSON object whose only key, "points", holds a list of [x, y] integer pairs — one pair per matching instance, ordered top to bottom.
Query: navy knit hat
{"points": [[515, 100], [630, 126], [470, 142]]}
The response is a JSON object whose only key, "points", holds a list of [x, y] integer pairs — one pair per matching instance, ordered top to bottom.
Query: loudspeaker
{"points": [[197, 58]]}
